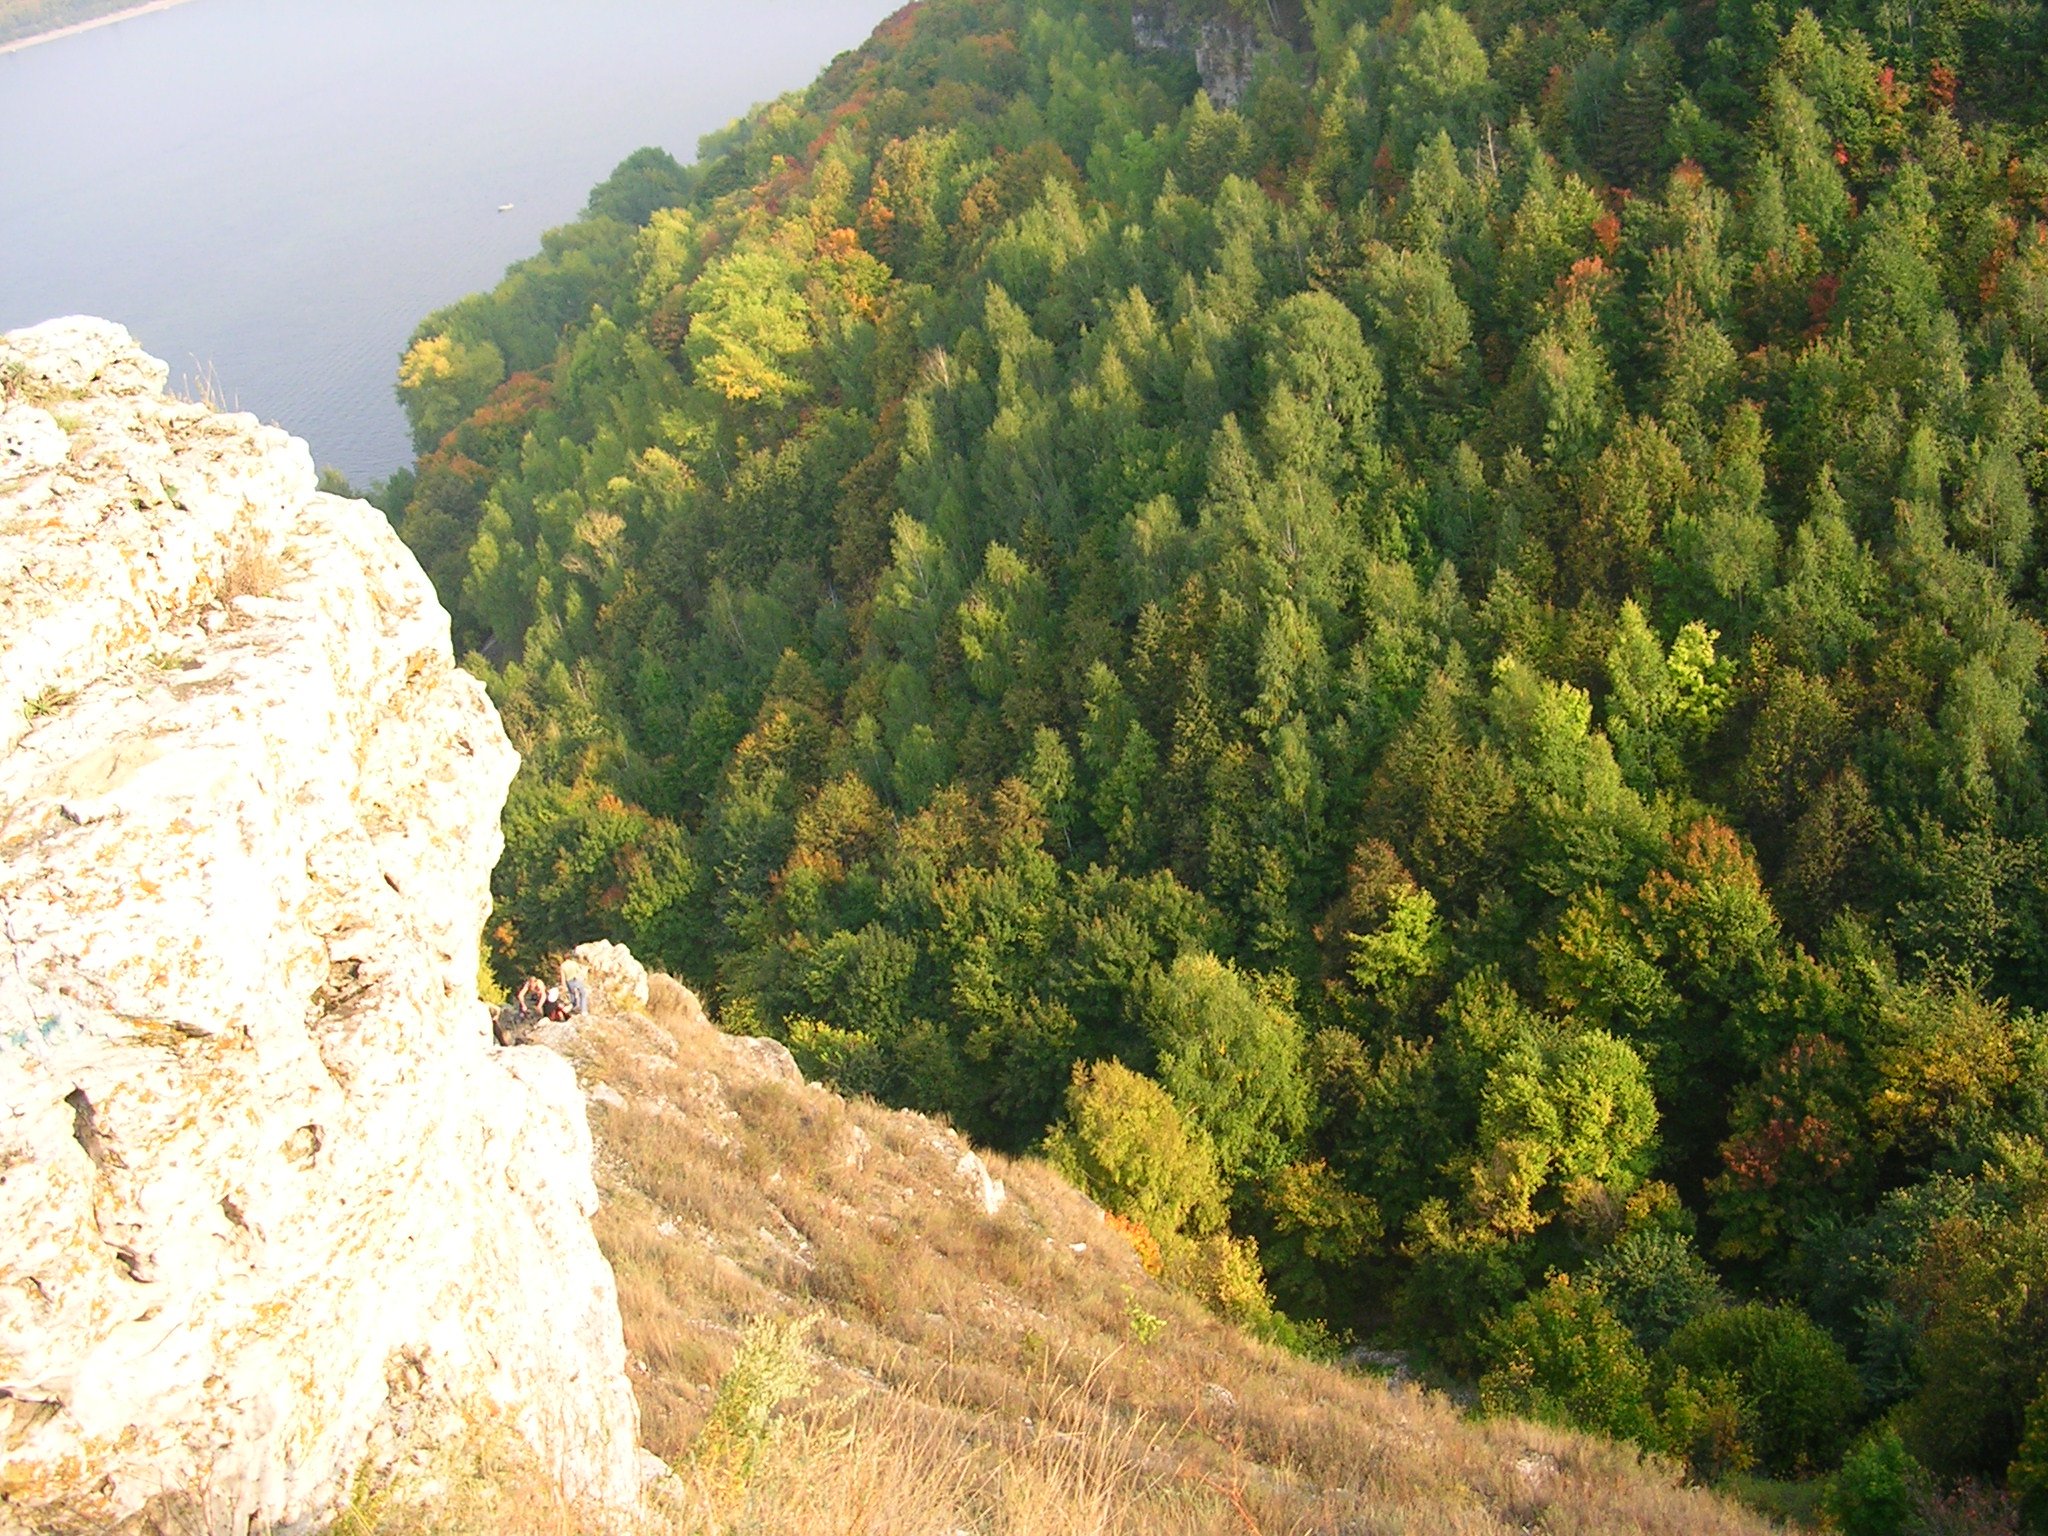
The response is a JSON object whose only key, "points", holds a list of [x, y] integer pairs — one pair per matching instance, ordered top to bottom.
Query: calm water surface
{"points": [[272, 193]]}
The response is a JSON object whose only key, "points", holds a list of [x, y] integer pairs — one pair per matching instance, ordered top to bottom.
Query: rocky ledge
{"points": [[272, 1205]]}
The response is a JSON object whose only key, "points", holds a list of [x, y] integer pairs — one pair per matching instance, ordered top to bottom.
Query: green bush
{"points": [[1127, 1144], [1656, 1282], [1563, 1357], [772, 1365], [1801, 1396], [1705, 1424], [2027, 1477], [1878, 1488]]}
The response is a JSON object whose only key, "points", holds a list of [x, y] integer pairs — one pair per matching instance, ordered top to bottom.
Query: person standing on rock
{"points": [[574, 977]]}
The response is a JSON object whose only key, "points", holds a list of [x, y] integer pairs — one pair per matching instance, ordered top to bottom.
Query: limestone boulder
{"points": [[616, 977], [272, 1204]]}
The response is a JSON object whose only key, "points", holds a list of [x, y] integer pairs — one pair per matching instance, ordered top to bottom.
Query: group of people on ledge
{"points": [[536, 1000]]}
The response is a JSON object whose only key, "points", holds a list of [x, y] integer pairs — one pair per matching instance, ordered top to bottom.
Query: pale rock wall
{"points": [[1225, 47], [271, 1203]]}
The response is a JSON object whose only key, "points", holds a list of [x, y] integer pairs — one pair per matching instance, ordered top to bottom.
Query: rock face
{"points": [[1224, 45], [615, 976], [271, 1204]]}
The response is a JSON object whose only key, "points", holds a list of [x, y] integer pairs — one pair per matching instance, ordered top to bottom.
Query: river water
{"points": [[271, 193]]}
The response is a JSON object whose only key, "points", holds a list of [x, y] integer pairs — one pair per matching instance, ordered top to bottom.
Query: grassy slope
{"points": [[27, 18], [980, 1374]]}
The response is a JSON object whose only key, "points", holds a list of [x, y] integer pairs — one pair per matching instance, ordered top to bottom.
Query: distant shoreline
{"points": [[86, 26]]}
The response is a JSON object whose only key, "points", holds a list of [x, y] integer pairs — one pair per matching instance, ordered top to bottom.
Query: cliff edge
{"points": [[272, 1206]]}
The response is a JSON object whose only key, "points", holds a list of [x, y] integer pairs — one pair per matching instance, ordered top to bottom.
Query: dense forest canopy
{"points": [[1432, 677]]}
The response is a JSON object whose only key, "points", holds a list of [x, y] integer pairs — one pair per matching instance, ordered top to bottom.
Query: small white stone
{"points": [[987, 1192]]}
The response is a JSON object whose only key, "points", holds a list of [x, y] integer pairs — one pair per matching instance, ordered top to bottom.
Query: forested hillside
{"points": [[1436, 674]]}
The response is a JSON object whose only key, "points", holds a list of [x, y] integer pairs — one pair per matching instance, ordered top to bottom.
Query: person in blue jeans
{"points": [[574, 989]]}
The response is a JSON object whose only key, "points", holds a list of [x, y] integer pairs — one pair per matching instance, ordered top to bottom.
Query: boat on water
{"points": [[505, 207]]}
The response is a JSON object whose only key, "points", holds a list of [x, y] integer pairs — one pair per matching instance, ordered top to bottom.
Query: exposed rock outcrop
{"points": [[1224, 45], [270, 1201]]}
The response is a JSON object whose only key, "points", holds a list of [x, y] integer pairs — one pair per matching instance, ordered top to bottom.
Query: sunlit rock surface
{"points": [[272, 1205]]}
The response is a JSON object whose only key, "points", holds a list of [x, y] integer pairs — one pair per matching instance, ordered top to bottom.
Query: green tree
{"points": [[1439, 80], [749, 328], [442, 379], [1321, 388], [1230, 1053], [1125, 1141], [1560, 1356], [1799, 1393], [1877, 1491]]}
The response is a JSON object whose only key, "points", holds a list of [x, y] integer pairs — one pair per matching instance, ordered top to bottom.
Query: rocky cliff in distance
{"points": [[1223, 40], [271, 1203]]}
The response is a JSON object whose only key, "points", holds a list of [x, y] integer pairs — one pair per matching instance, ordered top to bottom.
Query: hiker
{"points": [[574, 975], [533, 993], [552, 1009]]}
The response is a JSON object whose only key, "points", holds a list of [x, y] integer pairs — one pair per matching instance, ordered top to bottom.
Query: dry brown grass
{"points": [[252, 570], [982, 1374], [490, 1484]]}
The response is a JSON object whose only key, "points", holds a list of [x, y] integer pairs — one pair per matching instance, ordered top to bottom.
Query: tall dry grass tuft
{"points": [[252, 570], [485, 1482]]}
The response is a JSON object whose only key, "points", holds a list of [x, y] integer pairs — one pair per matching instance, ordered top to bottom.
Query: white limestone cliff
{"points": [[272, 1205]]}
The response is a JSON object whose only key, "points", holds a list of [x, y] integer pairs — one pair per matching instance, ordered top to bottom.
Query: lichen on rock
{"points": [[271, 1203]]}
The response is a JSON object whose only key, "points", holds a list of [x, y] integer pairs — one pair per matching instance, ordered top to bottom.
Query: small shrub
{"points": [[46, 703], [488, 987], [849, 1059], [1142, 1242], [1223, 1273], [1145, 1328], [1309, 1337], [1563, 1357], [773, 1364], [1800, 1393], [1703, 1422], [483, 1481], [1878, 1488]]}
